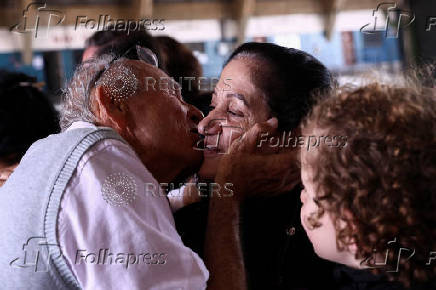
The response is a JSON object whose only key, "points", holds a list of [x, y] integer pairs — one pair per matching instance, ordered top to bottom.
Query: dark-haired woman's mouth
{"points": [[211, 150]]}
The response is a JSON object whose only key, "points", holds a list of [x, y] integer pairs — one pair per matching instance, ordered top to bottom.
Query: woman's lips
{"points": [[201, 143], [211, 150], [210, 153]]}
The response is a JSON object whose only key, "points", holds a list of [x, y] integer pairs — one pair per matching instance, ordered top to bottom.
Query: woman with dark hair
{"points": [[258, 82], [26, 115]]}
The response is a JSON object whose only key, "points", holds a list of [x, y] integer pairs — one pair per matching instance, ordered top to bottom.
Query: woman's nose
{"points": [[210, 125]]}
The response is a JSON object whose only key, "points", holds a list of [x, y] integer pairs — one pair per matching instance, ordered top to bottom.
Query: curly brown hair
{"points": [[381, 186]]}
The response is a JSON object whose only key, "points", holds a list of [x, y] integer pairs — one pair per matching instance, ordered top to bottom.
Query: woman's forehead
{"points": [[237, 78]]}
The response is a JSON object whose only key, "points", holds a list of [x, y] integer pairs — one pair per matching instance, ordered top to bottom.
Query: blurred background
{"points": [[45, 39]]}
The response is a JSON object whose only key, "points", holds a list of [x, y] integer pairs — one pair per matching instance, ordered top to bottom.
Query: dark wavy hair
{"points": [[289, 78], [26, 115], [381, 186]]}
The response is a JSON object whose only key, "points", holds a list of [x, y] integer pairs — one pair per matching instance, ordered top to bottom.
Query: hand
{"points": [[258, 171], [191, 194]]}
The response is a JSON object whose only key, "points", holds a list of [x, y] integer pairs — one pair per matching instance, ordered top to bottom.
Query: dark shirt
{"points": [[277, 252], [351, 279]]}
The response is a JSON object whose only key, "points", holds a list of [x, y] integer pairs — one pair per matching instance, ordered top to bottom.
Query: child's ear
{"points": [[107, 112]]}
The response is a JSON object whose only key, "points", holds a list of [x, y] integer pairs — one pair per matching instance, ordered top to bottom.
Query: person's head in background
{"points": [[99, 39], [112, 41], [122, 46], [181, 64], [259, 81], [26, 115], [379, 187]]}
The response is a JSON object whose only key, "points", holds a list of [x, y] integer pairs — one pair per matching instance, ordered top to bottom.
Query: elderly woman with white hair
{"points": [[78, 198]]}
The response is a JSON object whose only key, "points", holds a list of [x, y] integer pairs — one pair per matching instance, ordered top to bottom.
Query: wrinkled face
{"points": [[89, 53], [236, 105], [159, 119], [323, 238]]}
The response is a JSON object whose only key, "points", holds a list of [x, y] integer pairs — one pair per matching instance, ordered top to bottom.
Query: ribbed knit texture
{"points": [[30, 203]]}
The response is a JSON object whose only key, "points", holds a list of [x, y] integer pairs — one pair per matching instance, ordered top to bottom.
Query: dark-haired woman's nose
{"points": [[194, 114], [211, 125]]}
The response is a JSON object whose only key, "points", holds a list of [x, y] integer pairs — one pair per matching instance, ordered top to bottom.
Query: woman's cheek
{"points": [[228, 136], [303, 216]]}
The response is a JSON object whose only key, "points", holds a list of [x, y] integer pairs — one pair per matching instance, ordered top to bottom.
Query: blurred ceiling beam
{"points": [[145, 8], [244, 9], [186, 10], [330, 10], [26, 48]]}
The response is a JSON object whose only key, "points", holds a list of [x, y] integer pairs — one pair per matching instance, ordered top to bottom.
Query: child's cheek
{"points": [[303, 217]]}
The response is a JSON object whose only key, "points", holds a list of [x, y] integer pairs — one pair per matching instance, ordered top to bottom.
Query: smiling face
{"points": [[236, 105]]}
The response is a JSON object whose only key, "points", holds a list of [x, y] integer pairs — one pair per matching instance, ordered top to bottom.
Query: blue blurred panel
{"points": [[358, 47], [375, 48], [328, 52], [12, 62], [68, 63], [214, 64]]}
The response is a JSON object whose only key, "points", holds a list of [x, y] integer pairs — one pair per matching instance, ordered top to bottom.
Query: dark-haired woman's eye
{"points": [[235, 114]]}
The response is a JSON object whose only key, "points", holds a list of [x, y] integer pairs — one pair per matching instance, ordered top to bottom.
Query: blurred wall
{"points": [[425, 11]]}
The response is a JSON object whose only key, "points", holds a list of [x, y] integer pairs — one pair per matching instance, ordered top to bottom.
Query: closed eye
{"points": [[235, 114]]}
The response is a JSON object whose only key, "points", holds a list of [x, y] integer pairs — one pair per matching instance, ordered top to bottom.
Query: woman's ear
{"points": [[107, 112]]}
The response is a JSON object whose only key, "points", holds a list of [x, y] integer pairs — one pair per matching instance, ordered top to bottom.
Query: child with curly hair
{"points": [[371, 204]]}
